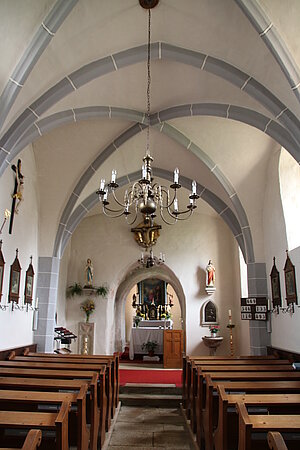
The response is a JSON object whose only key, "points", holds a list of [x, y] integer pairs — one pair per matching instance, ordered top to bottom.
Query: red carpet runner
{"points": [[151, 376]]}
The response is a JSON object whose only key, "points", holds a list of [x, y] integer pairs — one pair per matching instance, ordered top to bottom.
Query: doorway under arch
{"points": [[133, 276]]}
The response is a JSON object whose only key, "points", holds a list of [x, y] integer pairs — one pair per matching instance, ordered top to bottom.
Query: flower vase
{"points": [[87, 318], [213, 335]]}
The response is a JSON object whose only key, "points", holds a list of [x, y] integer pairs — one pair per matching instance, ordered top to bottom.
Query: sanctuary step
{"points": [[155, 395]]}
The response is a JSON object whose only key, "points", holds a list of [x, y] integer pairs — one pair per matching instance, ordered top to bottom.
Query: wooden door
{"points": [[173, 348]]}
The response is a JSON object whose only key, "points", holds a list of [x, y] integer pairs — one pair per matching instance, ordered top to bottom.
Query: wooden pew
{"points": [[112, 361], [115, 365], [77, 367], [187, 367], [228, 368], [189, 375], [59, 380], [206, 381], [12, 399], [268, 399], [57, 422], [249, 423], [32, 441], [275, 441]]}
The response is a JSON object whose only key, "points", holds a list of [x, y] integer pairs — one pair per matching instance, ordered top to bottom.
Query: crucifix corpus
{"points": [[17, 196]]}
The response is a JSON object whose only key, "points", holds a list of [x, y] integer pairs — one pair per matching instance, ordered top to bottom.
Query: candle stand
{"points": [[231, 326]]}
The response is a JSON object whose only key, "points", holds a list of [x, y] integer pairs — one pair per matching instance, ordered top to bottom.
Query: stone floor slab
{"points": [[132, 438], [172, 439]]}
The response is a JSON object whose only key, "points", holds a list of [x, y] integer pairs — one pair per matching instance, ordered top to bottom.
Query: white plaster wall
{"points": [[289, 171], [188, 247], [61, 290], [129, 313], [16, 326], [285, 327]]}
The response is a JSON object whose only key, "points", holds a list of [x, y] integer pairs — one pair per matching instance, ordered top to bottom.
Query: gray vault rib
{"points": [[273, 40], [31, 55], [122, 59]]}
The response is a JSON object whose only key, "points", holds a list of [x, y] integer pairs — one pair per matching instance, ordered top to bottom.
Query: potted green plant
{"points": [[150, 346]]}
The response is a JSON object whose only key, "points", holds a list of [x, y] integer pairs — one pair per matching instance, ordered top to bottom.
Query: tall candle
{"points": [[37, 303], [230, 317]]}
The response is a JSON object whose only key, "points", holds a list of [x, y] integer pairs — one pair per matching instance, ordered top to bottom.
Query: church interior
{"points": [[150, 183]]}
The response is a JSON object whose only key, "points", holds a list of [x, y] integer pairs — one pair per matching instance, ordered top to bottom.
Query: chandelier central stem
{"points": [[148, 82], [146, 196]]}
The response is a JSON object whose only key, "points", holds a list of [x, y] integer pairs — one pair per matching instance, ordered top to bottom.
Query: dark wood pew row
{"points": [[221, 367], [101, 369], [188, 375], [115, 378], [47, 379], [31, 400], [204, 401], [57, 422], [253, 423], [226, 433], [32, 441], [275, 441]]}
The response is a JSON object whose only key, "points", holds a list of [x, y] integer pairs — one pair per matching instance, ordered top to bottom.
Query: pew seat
{"points": [[27, 400], [58, 422], [262, 424], [225, 435], [32, 441], [275, 441]]}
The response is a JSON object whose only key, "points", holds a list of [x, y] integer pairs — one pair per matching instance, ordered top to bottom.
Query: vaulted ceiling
{"points": [[224, 98]]}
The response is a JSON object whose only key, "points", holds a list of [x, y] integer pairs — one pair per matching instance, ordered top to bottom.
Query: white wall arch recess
{"points": [[271, 37], [32, 53], [135, 55], [134, 275]]}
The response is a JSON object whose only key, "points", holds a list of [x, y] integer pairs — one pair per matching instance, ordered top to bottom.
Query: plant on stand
{"points": [[88, 307], [214, 329], [150, 346]]}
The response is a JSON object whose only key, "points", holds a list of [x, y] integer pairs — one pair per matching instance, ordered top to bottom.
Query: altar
{"points": [[141, 335]]}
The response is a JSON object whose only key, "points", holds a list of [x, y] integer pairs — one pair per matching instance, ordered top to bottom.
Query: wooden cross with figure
{"points": [[17, 196]]}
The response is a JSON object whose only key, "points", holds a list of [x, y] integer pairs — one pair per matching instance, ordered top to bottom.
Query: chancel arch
{"points": [[135, 275]]}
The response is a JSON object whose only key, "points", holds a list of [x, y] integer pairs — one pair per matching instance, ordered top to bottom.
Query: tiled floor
{"points": [[143, 428]]}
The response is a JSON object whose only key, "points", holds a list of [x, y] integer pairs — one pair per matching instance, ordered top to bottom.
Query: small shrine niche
{"points": [[14, 281], [28, 292], [209, 313]]}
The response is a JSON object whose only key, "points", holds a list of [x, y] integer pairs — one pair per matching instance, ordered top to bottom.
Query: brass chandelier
{"points": [[146, 196]]}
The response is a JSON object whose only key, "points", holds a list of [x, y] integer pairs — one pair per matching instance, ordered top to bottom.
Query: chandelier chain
{"points": [[148, 81]]}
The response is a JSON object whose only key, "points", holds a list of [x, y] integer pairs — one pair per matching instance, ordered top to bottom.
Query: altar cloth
{"points": [[139, 336]]}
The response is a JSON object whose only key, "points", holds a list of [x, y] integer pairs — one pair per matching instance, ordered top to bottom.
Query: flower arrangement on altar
{"points": [[88, 307], [166, 315], [139, 316], [214, 329]]}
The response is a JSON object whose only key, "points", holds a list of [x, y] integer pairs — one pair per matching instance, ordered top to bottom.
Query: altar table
{"points": [[163, 323], [139, 336]]}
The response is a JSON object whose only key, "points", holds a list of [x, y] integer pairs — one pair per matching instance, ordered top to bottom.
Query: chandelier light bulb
{"points": [[113, 175], [176, 175], [102, 184]]}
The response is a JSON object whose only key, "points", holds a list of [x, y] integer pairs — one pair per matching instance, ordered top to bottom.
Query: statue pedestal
{"points": [[86, 337], [212, 343]]}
